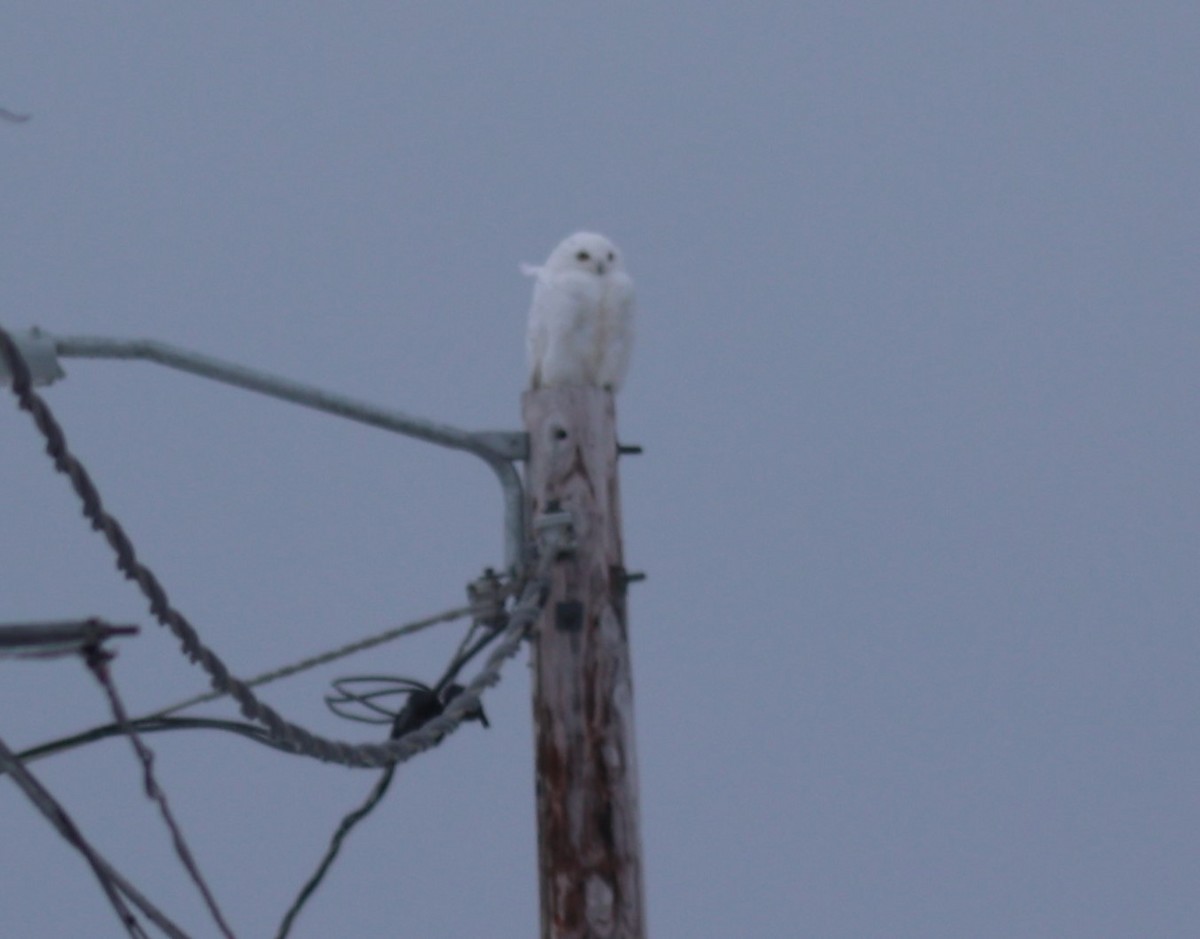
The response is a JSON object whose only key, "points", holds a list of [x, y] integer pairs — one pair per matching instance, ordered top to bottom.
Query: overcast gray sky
{"points": [[916, 377]]}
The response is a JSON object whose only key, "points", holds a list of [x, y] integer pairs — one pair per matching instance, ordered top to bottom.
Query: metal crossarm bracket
{"points": [[507, 444], [499, 449], [60, 637]]}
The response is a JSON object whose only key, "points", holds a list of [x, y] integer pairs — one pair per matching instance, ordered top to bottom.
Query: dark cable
{"points": [[97, 662], [422, 705], [148, 725], [335, 845], [115, 887]]}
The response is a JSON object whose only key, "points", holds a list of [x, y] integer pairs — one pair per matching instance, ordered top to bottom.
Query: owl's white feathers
{"points": [[581, 320]]}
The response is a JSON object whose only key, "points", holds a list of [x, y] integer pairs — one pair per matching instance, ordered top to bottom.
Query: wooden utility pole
{"points": [[589, 842]]}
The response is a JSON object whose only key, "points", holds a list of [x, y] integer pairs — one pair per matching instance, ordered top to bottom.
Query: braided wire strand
{"points": [[285, 734]]}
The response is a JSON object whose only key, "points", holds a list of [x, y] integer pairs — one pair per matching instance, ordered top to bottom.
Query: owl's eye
{"points": [[582, 256], [611, 257]]}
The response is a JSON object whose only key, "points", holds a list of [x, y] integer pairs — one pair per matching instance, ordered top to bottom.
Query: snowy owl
{"points": [[581, 319]]}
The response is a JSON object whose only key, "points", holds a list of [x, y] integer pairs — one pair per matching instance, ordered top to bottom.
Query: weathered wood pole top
{"points": [[589, 842]]}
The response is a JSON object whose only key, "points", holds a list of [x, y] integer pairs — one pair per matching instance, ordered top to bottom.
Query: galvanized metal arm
{"points": [[499, 449]]}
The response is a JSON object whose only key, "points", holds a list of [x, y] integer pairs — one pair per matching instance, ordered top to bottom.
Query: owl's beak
{"points": [[600, 267]]}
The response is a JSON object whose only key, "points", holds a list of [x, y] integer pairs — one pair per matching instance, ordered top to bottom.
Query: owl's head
{"points": [[586, 251]]}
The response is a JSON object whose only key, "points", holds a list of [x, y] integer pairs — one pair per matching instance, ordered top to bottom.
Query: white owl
{"points": [[581, 320]]}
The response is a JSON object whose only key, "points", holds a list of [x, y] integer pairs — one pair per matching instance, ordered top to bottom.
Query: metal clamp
{"points": [[41, 357], [557, 526], [486, 595]]}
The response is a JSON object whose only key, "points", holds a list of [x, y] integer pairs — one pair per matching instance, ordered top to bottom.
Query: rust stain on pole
{"points": [[589, 842]]}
